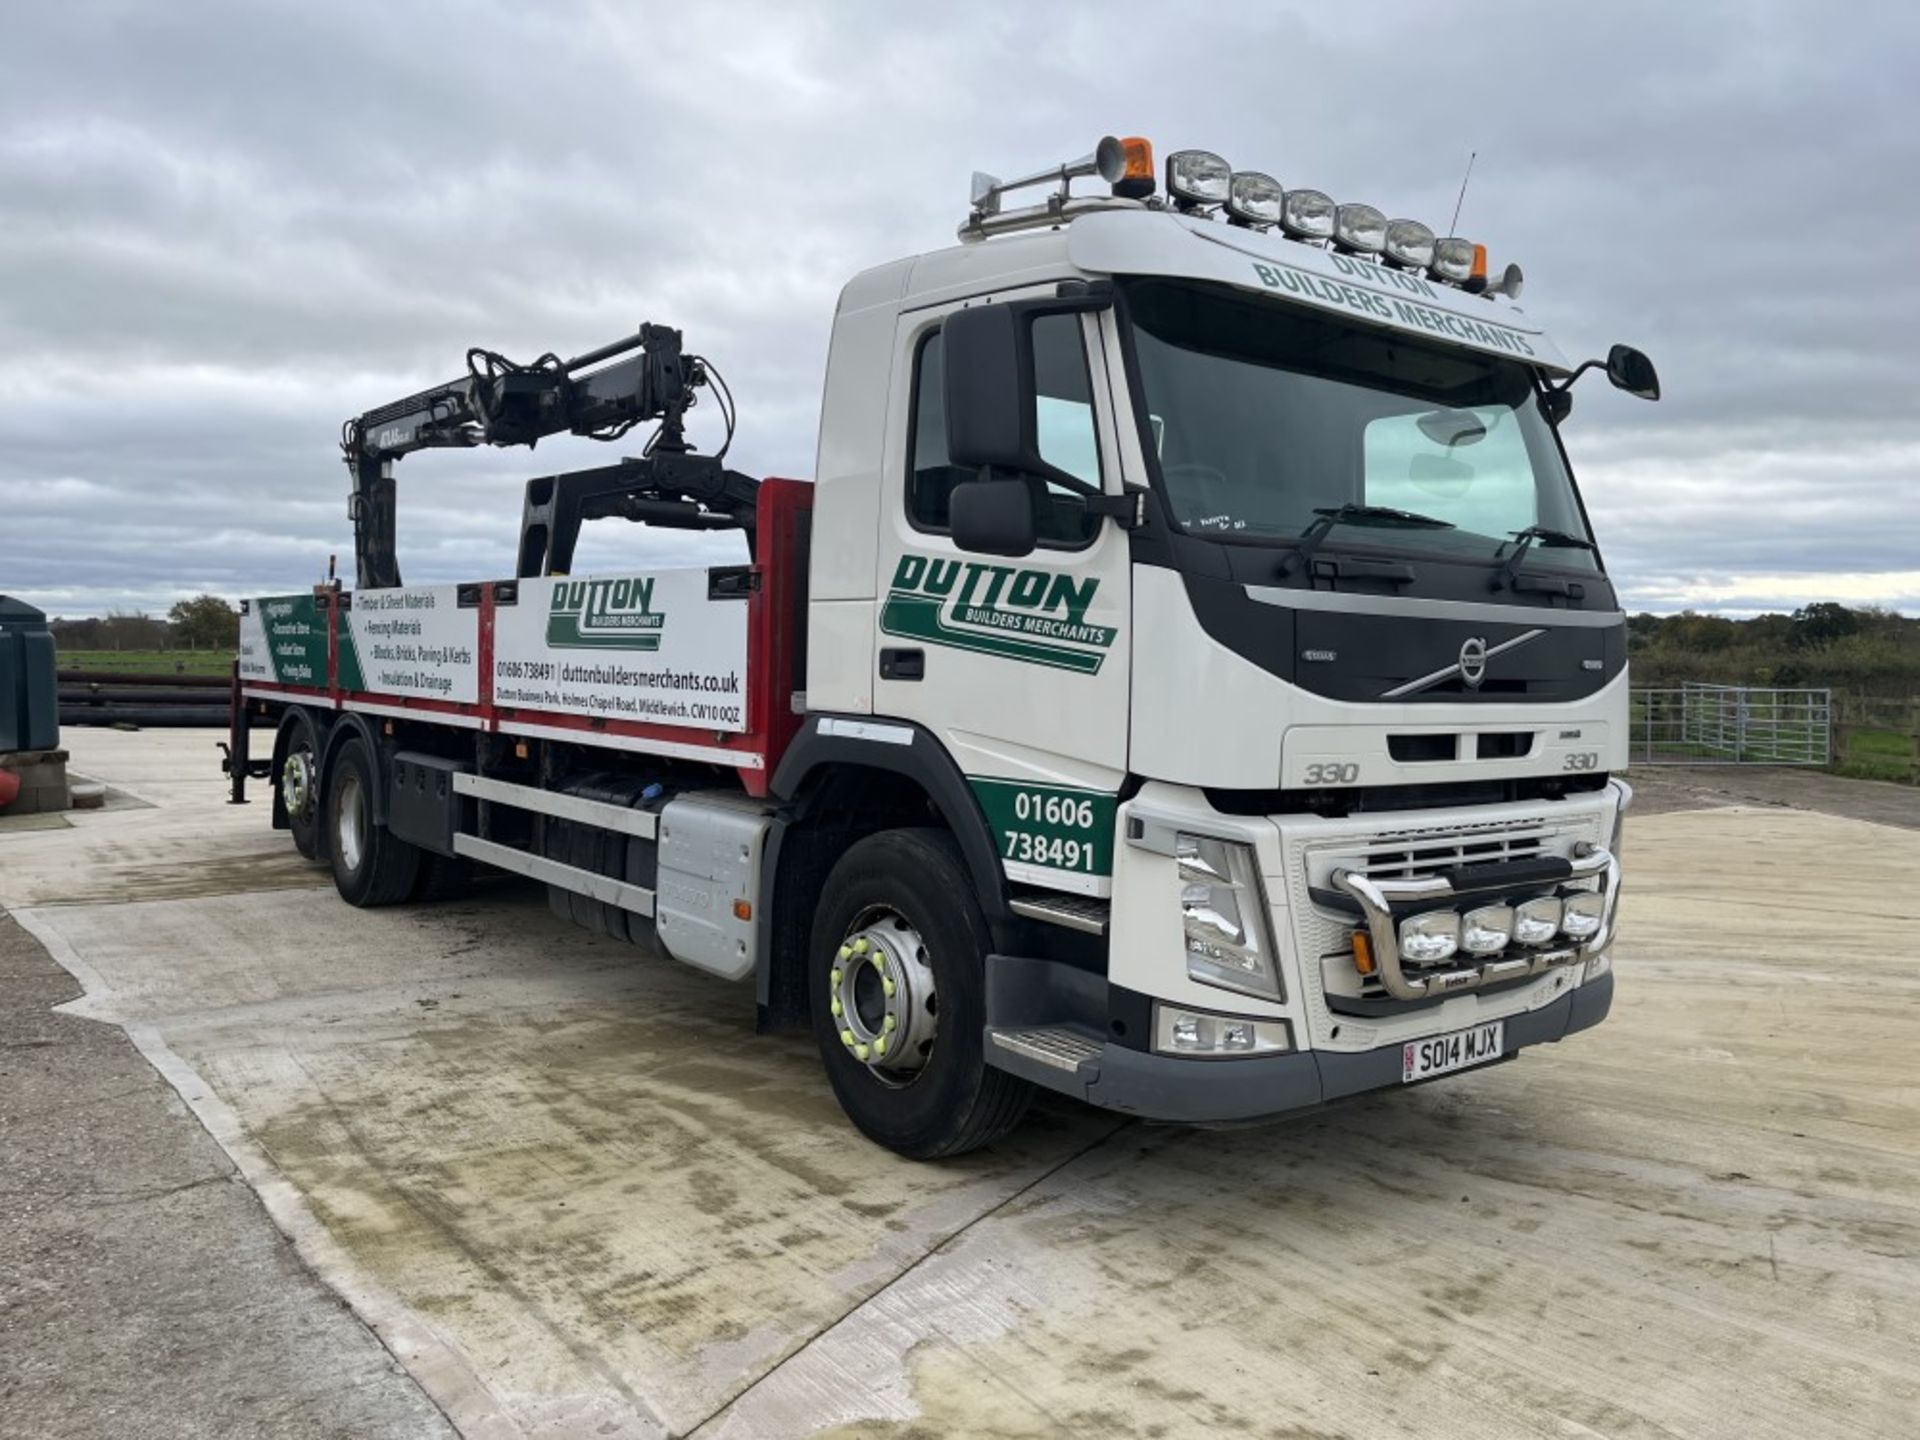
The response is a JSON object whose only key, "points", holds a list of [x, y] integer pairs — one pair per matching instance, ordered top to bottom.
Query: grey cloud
{"points": [[223, 230]]}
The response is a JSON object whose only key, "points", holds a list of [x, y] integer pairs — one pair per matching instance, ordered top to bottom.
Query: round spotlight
{"points": [[1198, 177], [1254, 198], [1307, 214], [1360, 228], [1410, 244], [1452, 260]]}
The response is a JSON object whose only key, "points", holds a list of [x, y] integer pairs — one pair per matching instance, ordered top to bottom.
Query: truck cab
{"points": [[1277, 718]]}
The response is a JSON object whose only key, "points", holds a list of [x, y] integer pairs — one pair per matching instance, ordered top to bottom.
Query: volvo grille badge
{"points": [[1473, 661]]}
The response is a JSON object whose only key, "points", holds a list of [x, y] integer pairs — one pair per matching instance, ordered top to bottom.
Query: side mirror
{"points": [[1630, 370], [992, 414], [993, 517]]}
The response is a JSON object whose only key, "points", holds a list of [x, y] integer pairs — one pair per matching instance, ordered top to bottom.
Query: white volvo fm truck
{"points": [[1189, 682]]}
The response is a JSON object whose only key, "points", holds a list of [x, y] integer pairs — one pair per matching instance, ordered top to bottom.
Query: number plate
{"points": [[1422, 1058]]}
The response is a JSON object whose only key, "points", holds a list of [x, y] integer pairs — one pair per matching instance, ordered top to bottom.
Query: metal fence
{"points": [[1732, 725]]}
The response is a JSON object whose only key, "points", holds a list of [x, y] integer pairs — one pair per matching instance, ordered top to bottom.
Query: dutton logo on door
{"points": [[604, 615], [1038, 617]]}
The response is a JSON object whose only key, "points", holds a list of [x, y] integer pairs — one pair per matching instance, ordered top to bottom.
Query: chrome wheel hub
{"points": [[296, 783], [352, 826], [880, 993]]}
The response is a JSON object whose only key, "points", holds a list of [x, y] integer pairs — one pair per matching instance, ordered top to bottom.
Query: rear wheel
{"points": [[299, 780], [371, 865], [898, 972]]}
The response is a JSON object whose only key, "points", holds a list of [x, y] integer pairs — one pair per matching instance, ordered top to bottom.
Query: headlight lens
{"points": [[1198, 177], [1307, 214], [1360, 227], [1410, 243], [1224, 916], [1581, 920], [1536, 922], [1488, 930], [1431, 938]]}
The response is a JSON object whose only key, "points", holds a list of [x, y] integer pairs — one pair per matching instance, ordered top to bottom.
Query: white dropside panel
{"points": [[415, 640], [649, 648]]}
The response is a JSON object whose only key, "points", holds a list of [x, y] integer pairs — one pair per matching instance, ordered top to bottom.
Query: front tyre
{"points": [[371, 865], [897, 970]]}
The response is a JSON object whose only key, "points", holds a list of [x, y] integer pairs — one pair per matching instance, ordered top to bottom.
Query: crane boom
{"points": [[500, 402]]}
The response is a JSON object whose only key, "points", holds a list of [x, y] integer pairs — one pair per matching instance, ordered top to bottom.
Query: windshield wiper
{"points": [[1310, 539], [1526, 539]]}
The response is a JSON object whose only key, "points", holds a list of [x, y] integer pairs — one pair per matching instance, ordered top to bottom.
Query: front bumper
{"points": [[1215, 1091]]}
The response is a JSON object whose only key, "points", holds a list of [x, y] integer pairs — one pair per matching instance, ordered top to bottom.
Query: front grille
{"points": [[1395, 857]]}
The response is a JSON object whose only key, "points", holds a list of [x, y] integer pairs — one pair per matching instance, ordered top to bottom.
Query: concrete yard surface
{"points": [[572, 1193]]}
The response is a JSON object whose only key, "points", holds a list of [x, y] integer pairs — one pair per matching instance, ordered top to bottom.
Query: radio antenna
{"points": [[1453, 227]]}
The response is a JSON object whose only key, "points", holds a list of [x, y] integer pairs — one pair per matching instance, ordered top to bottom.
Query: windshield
{"points": [[1266, 418]]}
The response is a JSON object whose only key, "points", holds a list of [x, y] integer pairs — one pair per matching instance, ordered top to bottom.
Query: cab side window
{"points": [[1063, 422]]}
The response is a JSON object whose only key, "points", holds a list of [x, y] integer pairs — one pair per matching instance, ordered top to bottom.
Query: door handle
{"points": [[898, 664]]}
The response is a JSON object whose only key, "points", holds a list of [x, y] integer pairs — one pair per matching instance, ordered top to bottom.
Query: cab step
{"points": [[1085, 913], [1054, 1046]]}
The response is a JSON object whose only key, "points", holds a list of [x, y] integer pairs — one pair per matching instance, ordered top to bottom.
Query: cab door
{"points": [[1018, 666]]}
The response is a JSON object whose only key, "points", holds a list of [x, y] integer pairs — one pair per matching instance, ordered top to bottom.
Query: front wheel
{"points": [[371, 865], [898, 974]]}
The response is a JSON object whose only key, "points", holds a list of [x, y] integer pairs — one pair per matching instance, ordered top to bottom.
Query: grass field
{"points": [[149, 662], [1877, 755]]}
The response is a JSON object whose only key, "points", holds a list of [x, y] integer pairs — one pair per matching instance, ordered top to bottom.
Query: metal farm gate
{"points": [[1732, 725]]}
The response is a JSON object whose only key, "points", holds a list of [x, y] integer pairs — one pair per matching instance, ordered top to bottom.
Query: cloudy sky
{"points": [[223, 229]]}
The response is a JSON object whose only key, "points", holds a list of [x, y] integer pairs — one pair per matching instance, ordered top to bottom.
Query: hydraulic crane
{"points": [[501, 402]]}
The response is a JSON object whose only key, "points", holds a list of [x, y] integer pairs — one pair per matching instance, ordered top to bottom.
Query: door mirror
{"points": [[1630, 370], [992, 396], [993, 517]]}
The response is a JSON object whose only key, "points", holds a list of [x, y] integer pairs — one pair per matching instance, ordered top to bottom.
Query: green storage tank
{"points": [[29, 687]]}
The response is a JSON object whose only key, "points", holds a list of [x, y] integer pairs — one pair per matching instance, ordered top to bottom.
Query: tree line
{"points": [[205, 622], [1865, 650]]}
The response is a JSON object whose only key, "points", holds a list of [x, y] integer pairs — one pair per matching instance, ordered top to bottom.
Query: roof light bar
{"points": [[1198, 177], [1254, 199], [1307, 215], [1360, 228]]}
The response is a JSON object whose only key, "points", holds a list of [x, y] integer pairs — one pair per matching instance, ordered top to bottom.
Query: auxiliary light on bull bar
{"points": [[1495, 940]]}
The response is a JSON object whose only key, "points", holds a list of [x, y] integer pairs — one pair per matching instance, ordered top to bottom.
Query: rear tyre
{"points": [[299, 783], [371, 865], [897, 971]]}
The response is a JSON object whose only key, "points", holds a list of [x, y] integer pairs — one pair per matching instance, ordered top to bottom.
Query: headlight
{"points": [[1198, 177], [1254, 198], [1307, 214], [1360, 227], [1410, 243], [1452, 259], [1224, 916], [1581, 920], [1536, 922], [1488, 930], [1431, 938]]}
